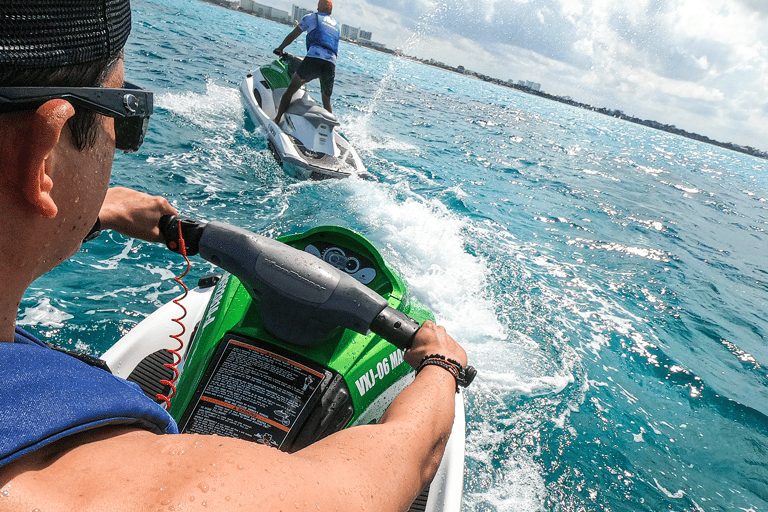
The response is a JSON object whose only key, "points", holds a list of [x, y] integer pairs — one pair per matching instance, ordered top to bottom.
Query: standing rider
{"points": [[320, 62]]}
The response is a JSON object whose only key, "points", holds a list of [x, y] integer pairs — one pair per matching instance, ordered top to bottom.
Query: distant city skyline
{"points": [[295, 14], [701, 65]]}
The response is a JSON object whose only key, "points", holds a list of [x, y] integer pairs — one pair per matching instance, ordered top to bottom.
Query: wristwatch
{"points": [[94, 232]]}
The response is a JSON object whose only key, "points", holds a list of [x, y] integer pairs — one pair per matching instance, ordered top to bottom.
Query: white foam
{"points": [[218, 109], [356, 128], [218, 152], [424, 241], [113, 262], [150, 292], [44, 314], [516, 486]]}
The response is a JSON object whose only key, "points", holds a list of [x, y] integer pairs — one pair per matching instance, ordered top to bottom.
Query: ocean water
{"points": [[608, 281]]}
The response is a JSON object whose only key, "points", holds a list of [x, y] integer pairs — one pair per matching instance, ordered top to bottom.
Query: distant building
{"points": [[265, 11], [351, 33], [365, 35], [530, 85]]}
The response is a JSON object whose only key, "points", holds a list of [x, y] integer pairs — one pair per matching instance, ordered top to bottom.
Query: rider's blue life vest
{"points": [[325, 34], [46, 395]]}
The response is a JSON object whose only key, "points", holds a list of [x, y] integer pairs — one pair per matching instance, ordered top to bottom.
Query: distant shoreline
{"points": [[600, 110], [606, 111]]}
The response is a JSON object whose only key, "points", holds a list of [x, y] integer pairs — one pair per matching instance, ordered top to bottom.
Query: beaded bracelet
{"points": [[460, 374]]}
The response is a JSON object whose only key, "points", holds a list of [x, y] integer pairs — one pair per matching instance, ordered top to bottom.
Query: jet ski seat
{"points": [[312, 112]]}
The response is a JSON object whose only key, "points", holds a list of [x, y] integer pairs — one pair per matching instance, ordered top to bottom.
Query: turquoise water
{"points": [[608, 281]]}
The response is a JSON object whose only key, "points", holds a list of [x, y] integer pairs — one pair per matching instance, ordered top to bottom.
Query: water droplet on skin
{"points": [[203, 487], [282, 497]]}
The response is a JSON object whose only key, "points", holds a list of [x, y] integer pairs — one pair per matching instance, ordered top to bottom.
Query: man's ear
{"points": [[26, 145]]}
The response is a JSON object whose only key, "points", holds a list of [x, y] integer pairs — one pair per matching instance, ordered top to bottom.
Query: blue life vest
{"points": [[325, 34], [46, 395]]}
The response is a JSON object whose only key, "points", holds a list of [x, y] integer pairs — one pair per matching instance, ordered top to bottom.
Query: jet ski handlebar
{"points": [[292, 278], [318, 296], [302, 298]]}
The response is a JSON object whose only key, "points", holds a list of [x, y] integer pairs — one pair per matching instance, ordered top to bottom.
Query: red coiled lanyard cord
{"points": [[175, 352]]}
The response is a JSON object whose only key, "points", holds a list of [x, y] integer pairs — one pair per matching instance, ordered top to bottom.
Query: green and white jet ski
{"points": [[307, 143], [287, 345]]}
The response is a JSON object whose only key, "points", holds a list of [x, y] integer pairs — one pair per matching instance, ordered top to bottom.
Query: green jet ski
{"points": [[295, 340]]}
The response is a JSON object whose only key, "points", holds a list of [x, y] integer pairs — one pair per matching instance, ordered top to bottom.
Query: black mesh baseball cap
{"points": [[55, 33]]}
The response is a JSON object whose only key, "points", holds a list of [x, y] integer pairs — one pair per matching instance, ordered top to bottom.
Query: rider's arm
{"points": [[288, 40], [134, 214], [389, 463], [375, 467]]}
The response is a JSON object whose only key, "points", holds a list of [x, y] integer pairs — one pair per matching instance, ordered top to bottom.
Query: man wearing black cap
{"points": [[72, 436]]}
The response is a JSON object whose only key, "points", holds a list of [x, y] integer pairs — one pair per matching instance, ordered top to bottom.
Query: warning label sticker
{"points": [[253, 394]]}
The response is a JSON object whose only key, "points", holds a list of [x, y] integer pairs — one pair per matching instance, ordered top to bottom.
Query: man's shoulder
{"points": [[308, 21]]}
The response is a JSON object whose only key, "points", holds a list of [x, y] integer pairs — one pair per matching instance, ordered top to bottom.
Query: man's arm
{"points": [[296, 32], [134, 214], [392, 461], [375, 467]]}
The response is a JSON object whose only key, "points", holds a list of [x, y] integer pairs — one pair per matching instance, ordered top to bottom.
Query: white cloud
{"points": [[571, 8], [584, 46]]}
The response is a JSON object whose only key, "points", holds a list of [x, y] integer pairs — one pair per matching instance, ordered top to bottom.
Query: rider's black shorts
{"points": [[312, 68]]}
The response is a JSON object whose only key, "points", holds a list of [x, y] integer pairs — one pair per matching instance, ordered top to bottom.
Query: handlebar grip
{"points": [[191, 232], [396, 327]]}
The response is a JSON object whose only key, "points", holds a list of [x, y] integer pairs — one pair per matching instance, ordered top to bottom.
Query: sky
{"points": [[701, 65]]}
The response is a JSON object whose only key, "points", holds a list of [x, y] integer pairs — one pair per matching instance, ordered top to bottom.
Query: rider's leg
{"points": [[296, 83], [326, 85], [327, 102]]}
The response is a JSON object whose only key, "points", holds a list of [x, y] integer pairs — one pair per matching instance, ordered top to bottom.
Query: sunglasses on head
{"points": [[130, 107]]}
